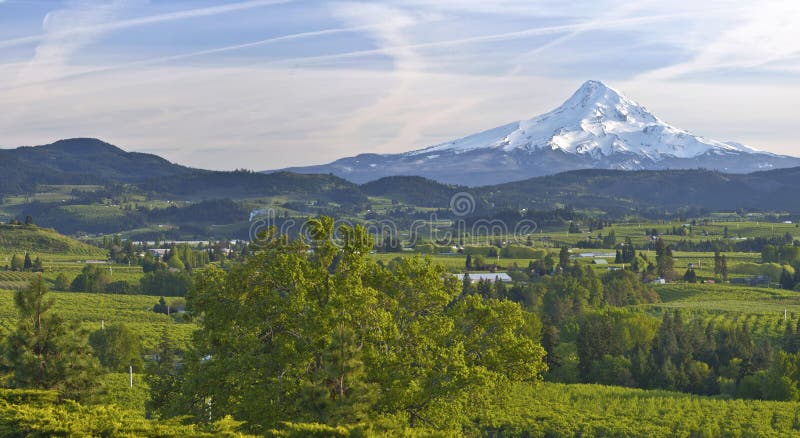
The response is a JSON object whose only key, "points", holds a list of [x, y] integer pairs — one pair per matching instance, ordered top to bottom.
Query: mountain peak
{"points": [[592, 86], [596, 121], [598, 127], [83, 146]]}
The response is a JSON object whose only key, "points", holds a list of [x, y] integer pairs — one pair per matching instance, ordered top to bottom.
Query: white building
{"points": [[491, 276]]}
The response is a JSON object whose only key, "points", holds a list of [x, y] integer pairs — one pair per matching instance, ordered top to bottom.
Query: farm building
{"points": [[158, 252], [585, 255], [491, 276]]}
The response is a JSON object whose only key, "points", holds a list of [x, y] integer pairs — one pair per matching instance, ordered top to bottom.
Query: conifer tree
{"points": [[44, 351]]}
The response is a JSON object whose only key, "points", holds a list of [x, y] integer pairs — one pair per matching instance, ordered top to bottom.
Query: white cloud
{"points": [[101, 27], [753, 37]]}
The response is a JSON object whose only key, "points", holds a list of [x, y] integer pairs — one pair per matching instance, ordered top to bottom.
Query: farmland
{"points": [[535, 409]]}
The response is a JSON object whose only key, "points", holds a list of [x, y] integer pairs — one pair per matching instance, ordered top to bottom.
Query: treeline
{"points": [[197, 215], [24, 263], [98, 279], [585, 313]]}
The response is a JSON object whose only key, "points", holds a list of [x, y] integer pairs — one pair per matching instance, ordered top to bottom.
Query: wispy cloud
{"points": [[82, 22], [101, 27], [762, 34]]}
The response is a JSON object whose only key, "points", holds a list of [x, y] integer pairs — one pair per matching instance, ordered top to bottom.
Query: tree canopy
{"points": [[310, 330]]}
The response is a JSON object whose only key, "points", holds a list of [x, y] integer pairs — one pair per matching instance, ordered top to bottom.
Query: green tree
{"points": [[628, 251], [563, 257], [664, 261], [17, 262], [175, 262], [27, 264], [38, 266], [723, 268], [690, 276], [91, 279], [786, 280], [61, 282], [166, 283], [308, 331], [117, 348], [44, 351], [163, 380]]}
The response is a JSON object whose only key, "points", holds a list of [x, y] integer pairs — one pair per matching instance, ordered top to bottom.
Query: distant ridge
{"points": [[91, 161]]}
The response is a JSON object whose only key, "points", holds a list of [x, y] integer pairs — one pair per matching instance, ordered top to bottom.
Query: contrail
{"points": [[134, 22], [537, 31], [384, 50], [169, 58]]}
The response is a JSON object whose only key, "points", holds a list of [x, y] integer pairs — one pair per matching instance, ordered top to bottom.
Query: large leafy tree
{"points": [[312, 330], [117, 348], [46, 352]]}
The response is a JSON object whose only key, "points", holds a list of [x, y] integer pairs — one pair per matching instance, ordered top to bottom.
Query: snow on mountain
{"points": [[597, 121], [596, 128]]}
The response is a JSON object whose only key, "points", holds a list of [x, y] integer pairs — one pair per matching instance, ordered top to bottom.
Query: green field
{"points": [[93, 310], [557, 410]]}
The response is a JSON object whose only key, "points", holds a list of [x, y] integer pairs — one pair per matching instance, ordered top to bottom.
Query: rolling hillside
{"points": [[30, 238]]}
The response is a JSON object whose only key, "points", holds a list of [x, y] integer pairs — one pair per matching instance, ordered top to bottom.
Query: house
{"points": [[158, 252], [594, 255], [600, 261], [490, 276], [659, 281]]}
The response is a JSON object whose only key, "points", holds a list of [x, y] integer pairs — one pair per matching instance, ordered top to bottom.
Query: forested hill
{"points": [[80, 161], [91, 161], [414, 190], [615, 190]]}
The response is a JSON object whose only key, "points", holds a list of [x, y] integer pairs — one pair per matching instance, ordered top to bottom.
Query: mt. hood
{"points": [[597, 127]]}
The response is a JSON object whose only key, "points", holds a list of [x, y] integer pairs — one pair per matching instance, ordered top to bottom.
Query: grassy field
{"points": [[640, 232], [36, 240], [93, 310]]}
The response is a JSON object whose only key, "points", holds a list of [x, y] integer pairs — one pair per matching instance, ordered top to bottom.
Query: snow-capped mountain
{"points": [[598, 127]]}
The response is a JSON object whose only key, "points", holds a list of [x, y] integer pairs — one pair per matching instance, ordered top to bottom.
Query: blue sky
{"points": [[264, 84]]}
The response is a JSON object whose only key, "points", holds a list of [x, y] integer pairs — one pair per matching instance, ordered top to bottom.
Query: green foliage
{"points": [[24, 238], [17, 262], [175, 262], [769, 270], [92, 278], [166, 283], [621, 288], [331, 337], [117, 348], [44, 351], [163, 380], [557, 410], [73, 419]]}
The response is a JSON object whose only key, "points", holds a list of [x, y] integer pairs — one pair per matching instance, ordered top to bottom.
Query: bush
{"points": [[91, 279], [62, 283], [166, 283], [121, 287], [117, 347]]}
